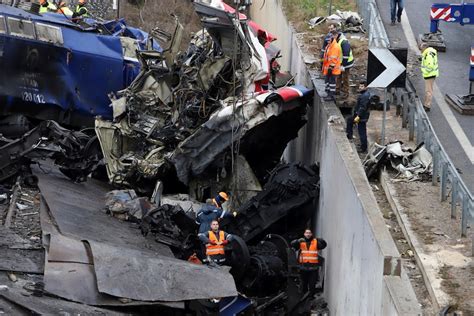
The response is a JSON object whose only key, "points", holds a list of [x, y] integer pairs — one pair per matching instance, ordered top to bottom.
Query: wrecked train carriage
{"points": [[55, 69], [184, 118]]}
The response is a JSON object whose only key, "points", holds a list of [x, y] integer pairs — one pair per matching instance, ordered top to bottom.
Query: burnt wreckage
{"points": [[198, 122]]}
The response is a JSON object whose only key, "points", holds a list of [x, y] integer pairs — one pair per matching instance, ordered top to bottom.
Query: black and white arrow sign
{"points": [[386, 68]]}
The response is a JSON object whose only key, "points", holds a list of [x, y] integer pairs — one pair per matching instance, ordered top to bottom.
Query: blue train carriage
{"points": [[53, 68]]}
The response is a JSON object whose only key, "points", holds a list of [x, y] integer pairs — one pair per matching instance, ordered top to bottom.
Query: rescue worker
{"points": [[46, 6], [64, 9], [81, 10], [347, 58], [332, 65], [430, 70], [360, 116], [212, 210], [215, 240], [309, 260]]}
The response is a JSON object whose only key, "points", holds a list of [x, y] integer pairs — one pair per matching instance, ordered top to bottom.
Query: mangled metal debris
{"points": [[349, 21], [182, 118], [75, 152], [412, 165]]}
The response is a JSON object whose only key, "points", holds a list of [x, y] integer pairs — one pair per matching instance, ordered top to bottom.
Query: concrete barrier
{"points": [[364, 275]]}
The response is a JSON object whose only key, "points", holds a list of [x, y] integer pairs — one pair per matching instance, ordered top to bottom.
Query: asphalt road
{"points": [[454, 79]]}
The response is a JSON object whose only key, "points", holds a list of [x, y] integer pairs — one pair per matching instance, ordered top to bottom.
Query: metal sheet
{"points": [[77, 210], [64, 249], [136, 275], [77, 282]]}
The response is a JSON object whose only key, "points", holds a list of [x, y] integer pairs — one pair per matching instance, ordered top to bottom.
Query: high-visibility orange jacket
{"points": [[332, 58], [212, 250], [309, 255]]}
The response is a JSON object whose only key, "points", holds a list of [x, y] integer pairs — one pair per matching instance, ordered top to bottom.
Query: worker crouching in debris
{"points": [[212, 210], [215, 240], [308, 248]]}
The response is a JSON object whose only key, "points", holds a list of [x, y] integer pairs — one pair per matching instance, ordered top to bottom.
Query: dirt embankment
{"points": [[147, 14]]}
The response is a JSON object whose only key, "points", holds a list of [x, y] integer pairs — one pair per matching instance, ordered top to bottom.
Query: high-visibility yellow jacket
{"points": [[49, 8], [66, 11], [81, 11], [346, 51], [429, 63]]}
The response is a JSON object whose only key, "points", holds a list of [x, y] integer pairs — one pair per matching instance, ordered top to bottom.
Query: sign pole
{"points": [[384, 116]]}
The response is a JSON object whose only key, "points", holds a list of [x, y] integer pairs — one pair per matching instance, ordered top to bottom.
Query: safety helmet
{"points": [[82, 1], [41, 2], [224, 196]]}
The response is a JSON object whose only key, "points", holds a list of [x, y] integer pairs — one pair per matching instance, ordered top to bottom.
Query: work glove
{"points": [[343, 69], [357, 119], [234, 213], [225, 242], [213, 243]]}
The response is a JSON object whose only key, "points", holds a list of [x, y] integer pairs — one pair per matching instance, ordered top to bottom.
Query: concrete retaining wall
{"points": [[363, 274]]}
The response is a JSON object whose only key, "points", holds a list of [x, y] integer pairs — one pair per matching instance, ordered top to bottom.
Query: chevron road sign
{"points": [[386, 68]]}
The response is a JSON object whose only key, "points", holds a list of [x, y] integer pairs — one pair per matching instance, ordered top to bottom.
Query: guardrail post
{"points": [[399, 101], [405, 110], [411, 120], [434, 179], [444, 181], [454, 188], [464, 214]]}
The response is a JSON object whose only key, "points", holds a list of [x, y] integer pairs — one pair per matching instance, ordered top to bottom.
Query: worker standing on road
{"points": [[46, 6], [396, 9], [81, 10], [347, 58], [332, 65], [430, 70], [360, 116], [212, 210], [215, 240], [309, 259]]}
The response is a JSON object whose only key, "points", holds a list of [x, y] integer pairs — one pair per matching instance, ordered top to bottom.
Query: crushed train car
{"points": [[193, 116]]}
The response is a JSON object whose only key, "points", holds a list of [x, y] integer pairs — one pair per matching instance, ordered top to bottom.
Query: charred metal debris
{"points": [[216, 117]]}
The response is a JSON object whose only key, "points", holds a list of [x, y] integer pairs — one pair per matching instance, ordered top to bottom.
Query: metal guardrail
{"points": [[373, 23], [415, 119]]}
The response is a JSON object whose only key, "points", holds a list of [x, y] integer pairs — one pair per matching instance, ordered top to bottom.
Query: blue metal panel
{"points": [[70, 82]]}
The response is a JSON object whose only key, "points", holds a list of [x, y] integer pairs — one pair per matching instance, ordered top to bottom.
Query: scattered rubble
{"points": [[349, 21], [412, 165]]}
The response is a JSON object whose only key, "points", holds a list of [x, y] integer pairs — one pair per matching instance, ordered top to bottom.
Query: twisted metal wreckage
{"points": [[197, 122]]}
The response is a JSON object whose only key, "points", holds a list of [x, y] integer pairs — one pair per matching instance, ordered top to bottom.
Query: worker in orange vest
{"points": [[332, 60], [215, 240], [308, 258]]}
